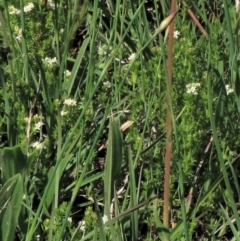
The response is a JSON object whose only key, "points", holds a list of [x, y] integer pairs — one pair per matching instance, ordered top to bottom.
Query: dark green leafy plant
{"points": [[83, 120]]}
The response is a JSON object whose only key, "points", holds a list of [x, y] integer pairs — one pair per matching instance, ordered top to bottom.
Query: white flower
{"points": [[237, 3], [51, 4], [28, 8], [12, 10], [18, 32], [176, 34], [19, 37], [101, 51], [131, 57], [50, 61], [67, 73], [107, 84], [192, 88], [229, 90], [70, 102], [63, 113], [38, 125], [37, 145], [104, 219], [70, 220], [82, 225], [37, 237]]}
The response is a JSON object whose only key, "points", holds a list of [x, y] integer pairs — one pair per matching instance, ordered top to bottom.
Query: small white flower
{"points": [[51, 4], [28, 8], [12, 10], [18, 32], [176, 34], [19, 37], [101, 51], [131, 57], [50, 61], [67, 73], [107, 84], [192, 88], [229, 90], [70, 102], [63, 113], [38, 125], [37, 145], [104, 219], [70, 220], [82, 225], [37, 237]]}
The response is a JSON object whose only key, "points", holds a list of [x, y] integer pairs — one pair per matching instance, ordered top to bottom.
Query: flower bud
{"points": [[166, 22]]}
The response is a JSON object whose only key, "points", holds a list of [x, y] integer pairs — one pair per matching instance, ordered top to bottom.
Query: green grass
{"points": [[99, 106]]}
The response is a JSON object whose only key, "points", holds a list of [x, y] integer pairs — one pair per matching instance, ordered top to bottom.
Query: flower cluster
{"points": [[51, 4], [28, 8], [14, 11], [18, 32], [176, 34], [101, 50], [132, 56], [50, 61], [67, 73], [107, 84], [192, 88], [229, 90], [67, 102], [70, 102], [63, 113], [38, 125], [38, 145], [104, 219], [82, 224]]}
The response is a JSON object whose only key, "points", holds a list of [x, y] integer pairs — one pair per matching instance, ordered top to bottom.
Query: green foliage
{"points": [[75, 74], [11, 203]]}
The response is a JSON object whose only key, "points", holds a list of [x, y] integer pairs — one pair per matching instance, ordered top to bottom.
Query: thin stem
{"points": [[169, 124]]}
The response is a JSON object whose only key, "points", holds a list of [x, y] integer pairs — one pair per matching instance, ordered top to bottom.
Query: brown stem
{"points": [[195, 20], [169, 125]]}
